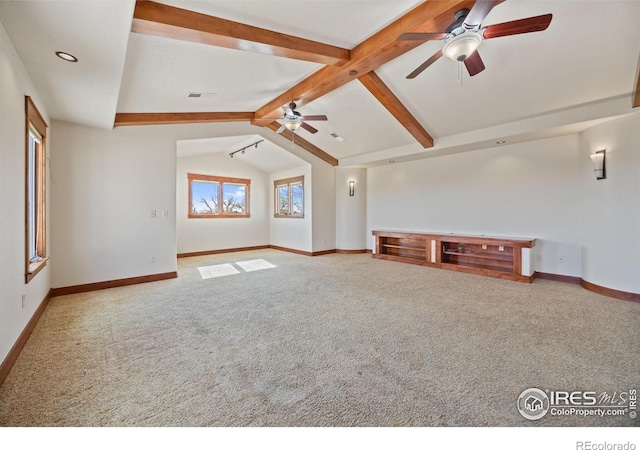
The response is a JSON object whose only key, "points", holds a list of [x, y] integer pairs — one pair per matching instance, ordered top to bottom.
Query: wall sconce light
{"points": [[599, 164], [352, 188]]}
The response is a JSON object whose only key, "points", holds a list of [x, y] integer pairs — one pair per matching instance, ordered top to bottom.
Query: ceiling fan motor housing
{"points": [[457, 27], [292, 115]]}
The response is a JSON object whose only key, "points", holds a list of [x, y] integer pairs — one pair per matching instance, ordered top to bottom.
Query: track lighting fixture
{"points": [[242, 150]]}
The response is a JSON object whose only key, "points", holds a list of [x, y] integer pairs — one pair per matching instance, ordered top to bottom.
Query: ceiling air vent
{"points": [[200, 94], [337, 137]]}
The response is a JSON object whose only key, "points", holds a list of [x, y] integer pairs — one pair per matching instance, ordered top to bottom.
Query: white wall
{"points": [[14, 85], [109, 180], [104, 185], [530, 190], [324, 207], [351, 212], [611, 221], [292, 232], [196, 235]]}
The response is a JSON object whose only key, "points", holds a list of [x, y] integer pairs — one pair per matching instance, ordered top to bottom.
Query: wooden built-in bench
{"points": [[500, 257]]}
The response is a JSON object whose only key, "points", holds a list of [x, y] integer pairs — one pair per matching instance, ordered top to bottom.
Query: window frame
{"points": [[191, 177], [287, 182], [35, 192]]}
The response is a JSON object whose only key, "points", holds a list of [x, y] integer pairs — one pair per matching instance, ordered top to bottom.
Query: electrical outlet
{"points": [[153, 214], [165, 214], [484, 246], [501, 248], [152, 259], [24, 299]]}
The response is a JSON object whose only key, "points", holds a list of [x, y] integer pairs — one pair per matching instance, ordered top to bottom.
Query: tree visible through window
{"points": [[211, 196], [289, 197], [35, 201]]}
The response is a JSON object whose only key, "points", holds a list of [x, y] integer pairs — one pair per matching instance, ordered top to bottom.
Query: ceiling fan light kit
{"points": [[462, 46], [292, 120], [292, 124]]}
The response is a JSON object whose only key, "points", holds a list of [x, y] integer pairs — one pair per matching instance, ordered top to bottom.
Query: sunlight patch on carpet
{"points": [[255, 264], [219, 270]]}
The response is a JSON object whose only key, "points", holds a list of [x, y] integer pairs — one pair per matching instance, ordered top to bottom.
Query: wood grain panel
{"points": [[166, 21], [382, 47], [636, 90], [383, 94], [169, 118], [35, 119], [308, 146], [412, 247], [224, 250], [302, 252], [419, 262], [489, 273], [556, 277], [56, 292], [620, 295], [13, 354]]}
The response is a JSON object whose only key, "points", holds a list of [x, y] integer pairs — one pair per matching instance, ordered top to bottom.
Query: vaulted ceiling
{"points": [[138, 62]]}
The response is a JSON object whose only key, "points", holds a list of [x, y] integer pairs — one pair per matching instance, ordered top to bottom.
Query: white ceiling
{"points": [[96, 32], [532, 84], [267, 157]]}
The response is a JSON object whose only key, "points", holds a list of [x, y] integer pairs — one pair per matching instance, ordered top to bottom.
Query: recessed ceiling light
{"points": [[66, 56], [337, 137], [501, 142]]}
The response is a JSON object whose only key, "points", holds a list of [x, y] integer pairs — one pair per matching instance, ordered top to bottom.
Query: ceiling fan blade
{"points": [[478, 12], [528, 25], [422, 36], [474, 63], [425, 64], [317, 117], [308, 127], [281, 129]]}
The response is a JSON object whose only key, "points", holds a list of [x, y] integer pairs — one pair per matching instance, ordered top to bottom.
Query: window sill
{"points": [[219, 216], [286, 216], [34, 268]]}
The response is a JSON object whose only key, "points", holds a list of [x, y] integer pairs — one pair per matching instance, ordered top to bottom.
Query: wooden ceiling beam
{"points": [[157, 19], [382, 47], [381, 91], [636, 91], [130, 119], [133, 119], [308, 146]]}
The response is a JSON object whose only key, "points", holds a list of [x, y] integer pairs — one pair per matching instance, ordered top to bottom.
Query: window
{"points": [[218, 197], [289, 197], [35, 201]]}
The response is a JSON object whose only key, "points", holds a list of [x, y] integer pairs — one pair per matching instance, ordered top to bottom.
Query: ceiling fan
{"points": [[464, 35], [292, 120]]}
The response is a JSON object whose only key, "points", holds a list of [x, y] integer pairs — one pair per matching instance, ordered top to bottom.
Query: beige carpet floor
{"points": [[335, 340]]}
